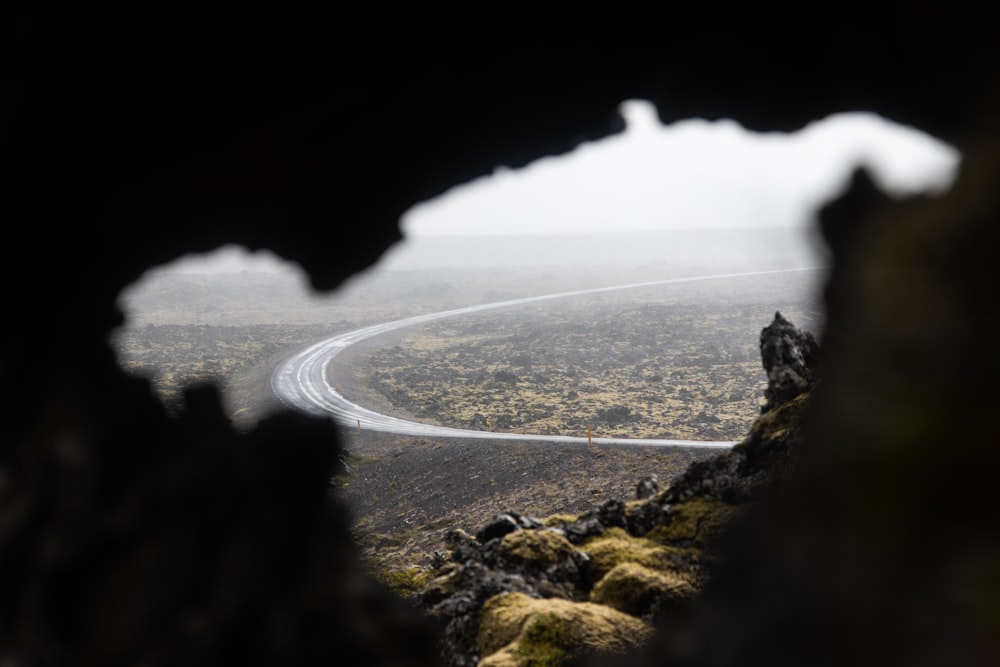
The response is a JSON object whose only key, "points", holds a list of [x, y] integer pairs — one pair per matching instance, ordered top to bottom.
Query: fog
{"points": [[602, 251]]}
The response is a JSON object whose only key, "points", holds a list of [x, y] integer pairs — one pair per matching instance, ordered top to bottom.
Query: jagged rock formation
{"points": [[791, 361], [598, 582]]}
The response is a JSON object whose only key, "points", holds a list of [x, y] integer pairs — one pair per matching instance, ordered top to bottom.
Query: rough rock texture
{"points": [[134, 136], [791, 361], [647, 486], [641, 558], [637, 590], [515, 629]]}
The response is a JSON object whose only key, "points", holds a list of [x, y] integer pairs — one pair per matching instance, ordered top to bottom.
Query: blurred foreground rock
{"points": [[127, 537]]}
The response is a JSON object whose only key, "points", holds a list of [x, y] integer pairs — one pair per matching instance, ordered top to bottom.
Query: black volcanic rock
{"points": [[791, 361], [478, 422], [647, 487], [612, 513], [505, 523], [586, 525], [500, 526]]}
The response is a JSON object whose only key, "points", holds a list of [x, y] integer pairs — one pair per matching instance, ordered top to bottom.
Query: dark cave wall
{"points": [[136, 137]]}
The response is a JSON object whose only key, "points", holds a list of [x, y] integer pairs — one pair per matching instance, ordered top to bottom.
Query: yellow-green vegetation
{"points": [[626, 369], [668, 396], [775, 424], [632, 506], [557, 519], [699, 522], [615, 546], [541, 548], [383, 555], [392, 557], [631, 578], [404, 582], [444, 584], [632, 588], [515, 629], [543, 642]]}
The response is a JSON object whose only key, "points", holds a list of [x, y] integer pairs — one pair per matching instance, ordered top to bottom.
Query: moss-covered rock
{"points": [[777, 423], [760, 463], [559, 519], [699, 522], [616, 546], [538, 548], [407, 581], [446, 582], [636, 590], [515, 629], [542, 644]]}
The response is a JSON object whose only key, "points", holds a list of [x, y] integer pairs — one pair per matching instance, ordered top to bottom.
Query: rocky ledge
{"points": [[526, 590]]}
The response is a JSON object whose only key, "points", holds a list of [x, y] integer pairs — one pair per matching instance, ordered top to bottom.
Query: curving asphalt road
{"points": [[300, 381]]}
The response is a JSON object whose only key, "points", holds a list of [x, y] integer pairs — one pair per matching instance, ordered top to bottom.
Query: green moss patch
{"points": [[776, 423], [559, 519], [699, 523], [615, 547], [541, 548], [404, 582], [444, 584], [634, 589], [515, 629], [544, 642]]}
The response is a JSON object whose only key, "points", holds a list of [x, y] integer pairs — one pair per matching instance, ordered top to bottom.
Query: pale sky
{"points": [[693, 173]]}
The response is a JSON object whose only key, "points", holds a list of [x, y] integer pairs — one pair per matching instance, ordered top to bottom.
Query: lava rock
{"points": [[791, 361], [647, 487], [612, 513], [506, 523], [586, 526], [498, 527]]}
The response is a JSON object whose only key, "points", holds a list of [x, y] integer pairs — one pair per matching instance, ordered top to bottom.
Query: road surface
{"points": [[301, 382]]}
